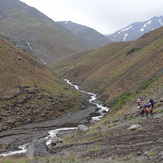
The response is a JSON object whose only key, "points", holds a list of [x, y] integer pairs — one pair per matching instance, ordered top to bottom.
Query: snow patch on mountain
{"points": [[149, 22], [160, 22], [145, 25], [126, 29], [142, 29], [136, 30], [124, 39]]}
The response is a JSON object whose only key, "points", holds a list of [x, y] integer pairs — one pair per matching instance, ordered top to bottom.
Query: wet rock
{"points": [[38, 148]]}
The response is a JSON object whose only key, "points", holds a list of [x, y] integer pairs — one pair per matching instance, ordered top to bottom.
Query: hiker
{"points": [[138, 102], [152, 102], [140, 107], [149, 110]]}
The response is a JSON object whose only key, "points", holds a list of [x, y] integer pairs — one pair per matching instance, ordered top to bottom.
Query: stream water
{"points": [[93, 100]]}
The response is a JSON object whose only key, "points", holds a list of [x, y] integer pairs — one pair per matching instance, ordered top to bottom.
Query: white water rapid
{"points": [[93, 100]]}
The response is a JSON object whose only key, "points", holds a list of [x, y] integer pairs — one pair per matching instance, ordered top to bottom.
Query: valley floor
{"points": [[113, 143], [118, 144]]}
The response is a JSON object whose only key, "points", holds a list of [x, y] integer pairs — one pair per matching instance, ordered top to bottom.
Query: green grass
{"points": [[132, 50], [148, 82], [123, 99], [96, 148], [152, 153], [65, 159], [13, 160]]}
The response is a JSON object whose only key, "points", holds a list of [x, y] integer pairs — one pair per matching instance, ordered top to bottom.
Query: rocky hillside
{"points": [[135, 30], [32, 31], [86, 33], [124, 68], [29, 92]]}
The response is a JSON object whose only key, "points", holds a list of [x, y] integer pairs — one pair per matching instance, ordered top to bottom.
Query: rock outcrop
{"points": [[38, 148]]}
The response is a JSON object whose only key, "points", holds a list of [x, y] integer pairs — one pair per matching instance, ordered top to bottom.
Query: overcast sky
{"points": [[105, 16]]}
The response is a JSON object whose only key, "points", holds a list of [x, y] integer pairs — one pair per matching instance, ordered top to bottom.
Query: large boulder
{"points": [[82, 127], [55, 140], [38, 148]]}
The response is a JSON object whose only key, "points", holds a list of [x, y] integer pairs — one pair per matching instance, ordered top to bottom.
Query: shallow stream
{"points": [[93, 100]]}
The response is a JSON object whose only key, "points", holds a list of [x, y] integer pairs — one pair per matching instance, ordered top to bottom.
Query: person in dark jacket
{"points": [[152, 102]]}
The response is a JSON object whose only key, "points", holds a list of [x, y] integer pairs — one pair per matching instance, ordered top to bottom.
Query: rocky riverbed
{"points": [[11, 139], [116, 140]]}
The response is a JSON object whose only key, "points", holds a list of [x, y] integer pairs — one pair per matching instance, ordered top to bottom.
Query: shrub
{"points": [[132, 50]]}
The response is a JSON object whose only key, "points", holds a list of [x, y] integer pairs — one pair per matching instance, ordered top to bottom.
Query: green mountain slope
{"points": [[30, 30], [119, 67], [29, 92]]}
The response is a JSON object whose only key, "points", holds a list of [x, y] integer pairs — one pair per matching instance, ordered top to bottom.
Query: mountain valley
{"points": [[55, 75]]}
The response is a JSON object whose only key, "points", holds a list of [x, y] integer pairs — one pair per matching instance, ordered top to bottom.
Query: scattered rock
{"points": [[23, 86], [16, 93], [7, 98], [20, 101], [61, 109], [107, 122], [82, 127], [134, 127], [55, 140], [4, 146], [38, 148], [139, 153]]}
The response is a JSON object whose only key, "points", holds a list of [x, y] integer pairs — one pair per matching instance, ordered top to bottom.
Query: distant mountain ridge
{"points": [[29, 29], [137, 29], [87, 33]]}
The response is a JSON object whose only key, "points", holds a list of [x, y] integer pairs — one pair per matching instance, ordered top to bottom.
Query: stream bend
{"points": [[93, 100]]}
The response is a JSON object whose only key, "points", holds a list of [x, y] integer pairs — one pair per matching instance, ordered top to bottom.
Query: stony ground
{"points": [[111, 142], [144, 145]]}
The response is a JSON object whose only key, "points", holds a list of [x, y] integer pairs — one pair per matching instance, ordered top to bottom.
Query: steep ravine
{"points": [[15, 140]]}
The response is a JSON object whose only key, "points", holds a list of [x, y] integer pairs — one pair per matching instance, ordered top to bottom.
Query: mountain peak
{"points": [[137, 29], [86, 33]]}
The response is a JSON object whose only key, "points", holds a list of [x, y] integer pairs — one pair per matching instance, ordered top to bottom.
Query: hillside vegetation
{"points": [[30, 30], [119, 69], [29, 92]]}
